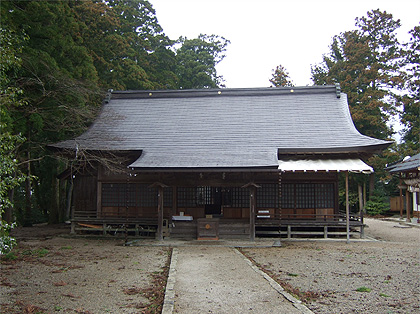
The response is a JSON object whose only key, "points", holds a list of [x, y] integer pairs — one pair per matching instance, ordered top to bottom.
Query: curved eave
{"points": [[370, 149], [71, 151], [207, 169]]}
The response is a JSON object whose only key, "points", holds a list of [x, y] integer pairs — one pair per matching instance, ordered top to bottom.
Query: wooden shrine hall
{"points": [[217, 163]]}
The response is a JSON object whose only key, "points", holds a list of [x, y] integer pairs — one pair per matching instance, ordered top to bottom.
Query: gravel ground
{"points": [[54, 274], [329, 274], [76, 275]]}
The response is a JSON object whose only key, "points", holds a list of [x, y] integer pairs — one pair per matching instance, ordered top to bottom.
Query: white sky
{"points": [[266, 33]]}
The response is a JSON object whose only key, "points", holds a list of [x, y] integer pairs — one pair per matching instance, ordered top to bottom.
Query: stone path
{"points": [[205, 279]]}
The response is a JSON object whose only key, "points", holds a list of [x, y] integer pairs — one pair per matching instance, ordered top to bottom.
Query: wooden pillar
{"points": [[160, 186], [360, 191], [364, 194], [401, 198], [174, 201], [252, 204], [407, 204], [252, 207], [347, 208], [361, 211], [160, 214]]}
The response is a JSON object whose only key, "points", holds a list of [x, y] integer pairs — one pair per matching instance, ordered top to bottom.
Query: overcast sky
{"points": [[266, 33]]}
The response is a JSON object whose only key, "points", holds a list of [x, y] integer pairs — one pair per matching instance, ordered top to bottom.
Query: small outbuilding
{"points": [[218, 163], [408, 171]]}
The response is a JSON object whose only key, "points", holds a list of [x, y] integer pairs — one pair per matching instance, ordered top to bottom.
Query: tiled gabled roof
{"points": [[225, 128], [410, 164]]}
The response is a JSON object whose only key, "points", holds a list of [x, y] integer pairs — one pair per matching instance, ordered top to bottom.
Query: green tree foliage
{"points": [[75, 51], [142, 59], [197, 59], [366, 64], [280, 77], [379, 77], [59, 80], [10, 98], [410, 116]]}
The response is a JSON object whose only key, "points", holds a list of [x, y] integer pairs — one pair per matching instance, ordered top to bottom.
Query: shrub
{"points": [[377, 206], [6, 241]]}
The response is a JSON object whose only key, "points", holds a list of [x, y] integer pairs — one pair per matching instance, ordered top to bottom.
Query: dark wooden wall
{"points": [[88, 193], [85, 196]]}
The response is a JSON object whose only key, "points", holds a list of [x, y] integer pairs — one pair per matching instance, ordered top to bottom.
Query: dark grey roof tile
{"points": [[237, 128]]}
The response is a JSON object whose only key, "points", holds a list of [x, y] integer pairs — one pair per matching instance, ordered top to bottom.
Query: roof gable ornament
{"points": [[338, 90], [108, 96]]}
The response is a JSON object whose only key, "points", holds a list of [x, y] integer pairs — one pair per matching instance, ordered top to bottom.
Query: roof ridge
{"points": [[218, 92]]}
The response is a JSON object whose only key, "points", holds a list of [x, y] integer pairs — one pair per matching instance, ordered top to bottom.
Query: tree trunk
{"points": [[371, 184], [28, 193], [69, 199], [8, 212], [54, 215]]}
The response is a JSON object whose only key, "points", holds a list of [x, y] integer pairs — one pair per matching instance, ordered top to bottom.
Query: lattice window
{"points": [[114, 194], [133, 195], [204, 195], [287, 195], [307, 195], [324, 195], [268, 196], [147, 197], [167, 197], [187, 197], [240, 197]]}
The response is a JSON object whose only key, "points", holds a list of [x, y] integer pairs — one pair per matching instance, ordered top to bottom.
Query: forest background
{"points": [[59, 58]]}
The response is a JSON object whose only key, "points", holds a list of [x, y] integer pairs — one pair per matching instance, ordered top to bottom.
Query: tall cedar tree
{"points": [[74, 49], [197, 59], [145, 60], [366, 62], [280, 77], [58, 79], [410, 116]]}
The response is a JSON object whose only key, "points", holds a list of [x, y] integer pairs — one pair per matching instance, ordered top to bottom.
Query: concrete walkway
{"points": [[206, 279]]}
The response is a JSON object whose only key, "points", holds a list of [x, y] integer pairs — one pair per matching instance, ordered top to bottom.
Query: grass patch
{"points": [[40, 252], [11, 256], [292, 275], [363, 289], [384, 295]]}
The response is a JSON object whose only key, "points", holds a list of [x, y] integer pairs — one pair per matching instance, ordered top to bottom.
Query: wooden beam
{"points": [[160, 186], [360, 191], [401, 198], [407, 204], [252, 205], [361, 211], [160, 214]]}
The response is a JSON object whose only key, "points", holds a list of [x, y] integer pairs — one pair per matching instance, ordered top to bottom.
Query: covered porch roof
{"points": [[346, 164]]}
